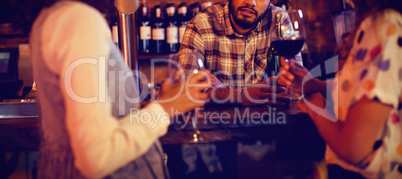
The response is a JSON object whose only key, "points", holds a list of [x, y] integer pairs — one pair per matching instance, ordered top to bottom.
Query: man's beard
{"points": [[244, 23]]}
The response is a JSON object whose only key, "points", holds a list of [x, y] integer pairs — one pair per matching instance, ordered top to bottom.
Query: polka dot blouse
{"points": [[374, 69]]}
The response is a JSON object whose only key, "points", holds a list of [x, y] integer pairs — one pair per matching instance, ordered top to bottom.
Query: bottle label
{"points": [[144, 10], [170, 10], [182, 10], [158, 12], [145, 32], [181, 32], [115, 34], [158, 34], [172, 35]]}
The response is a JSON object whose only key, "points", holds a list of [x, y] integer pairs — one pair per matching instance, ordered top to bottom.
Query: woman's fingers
{"points": [[284, 63], [298, 70], [288, 74], [198, 77], [282, 80], [199, 81], [202, 96]]}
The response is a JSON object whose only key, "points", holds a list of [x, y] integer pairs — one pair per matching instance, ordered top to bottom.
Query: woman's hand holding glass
{"points": [[287, 37], [294, 76], [187, 83], [185, 88], [181, 96]]}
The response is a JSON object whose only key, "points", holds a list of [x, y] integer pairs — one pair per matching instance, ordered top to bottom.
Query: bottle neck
{"points": [[195, 11], [170, 14]]}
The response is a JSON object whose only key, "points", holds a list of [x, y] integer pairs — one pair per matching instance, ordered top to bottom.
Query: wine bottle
{"points": [[195, 9], [183, 20], [172, 30], [145, 31], [158, 31], [115, 34], [305, 56], [273, 62]]}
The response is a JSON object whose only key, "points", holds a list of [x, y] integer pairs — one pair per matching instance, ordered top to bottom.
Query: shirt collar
{"points": [[265, 23], [228, 29]]}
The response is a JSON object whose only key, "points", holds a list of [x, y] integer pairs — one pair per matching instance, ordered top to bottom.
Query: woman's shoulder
{"points": [[391, 15], [377, 20], [378, 27]]}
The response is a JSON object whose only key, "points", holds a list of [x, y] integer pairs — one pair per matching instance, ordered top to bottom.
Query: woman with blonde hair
{"points": [[90, 118]]}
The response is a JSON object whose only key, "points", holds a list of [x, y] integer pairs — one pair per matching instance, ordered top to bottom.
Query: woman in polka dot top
{"points": [[364, 130]]}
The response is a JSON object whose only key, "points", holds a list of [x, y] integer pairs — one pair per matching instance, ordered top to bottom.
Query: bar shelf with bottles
{"points": [[161, 25]]}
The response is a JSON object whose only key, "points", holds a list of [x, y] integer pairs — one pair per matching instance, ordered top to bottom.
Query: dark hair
{"points": [[363, 10], [26, 11]]}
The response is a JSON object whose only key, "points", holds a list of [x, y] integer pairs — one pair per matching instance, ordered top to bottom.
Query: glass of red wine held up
{"points": [[287, 37]]}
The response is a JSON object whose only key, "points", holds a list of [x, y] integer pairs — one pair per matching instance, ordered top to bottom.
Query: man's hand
{"points": [[265, 92]]}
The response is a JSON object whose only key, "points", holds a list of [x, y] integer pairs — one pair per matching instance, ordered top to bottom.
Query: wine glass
{"points": [[287, 37], [183, 64], [180, 66]]}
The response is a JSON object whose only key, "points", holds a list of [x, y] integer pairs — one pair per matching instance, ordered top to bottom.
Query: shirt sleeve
{"points": [[192, 37], [76, 38], [192, 41], [374, 68]]}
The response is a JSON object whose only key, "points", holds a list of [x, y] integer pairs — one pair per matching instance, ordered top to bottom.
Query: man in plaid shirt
{"points": [[233, 39]]}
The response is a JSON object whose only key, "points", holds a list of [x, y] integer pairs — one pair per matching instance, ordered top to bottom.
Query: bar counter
{"points": [[236, 123], [225, 141], [230, 141]]}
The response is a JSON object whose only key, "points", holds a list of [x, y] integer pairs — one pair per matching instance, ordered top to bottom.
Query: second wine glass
{"points": [[287, 37], [183, 65]]}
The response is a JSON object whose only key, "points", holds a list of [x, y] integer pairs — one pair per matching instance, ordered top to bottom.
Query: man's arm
{"points": [[192, 39], [265, 92]]}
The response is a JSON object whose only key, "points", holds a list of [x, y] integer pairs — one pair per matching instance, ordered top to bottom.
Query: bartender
{"points": [[233, 39]]}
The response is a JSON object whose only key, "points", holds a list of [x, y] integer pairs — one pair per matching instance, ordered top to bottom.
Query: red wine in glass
{"points": [[288, 32], [287, 37], [288, 48]]}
